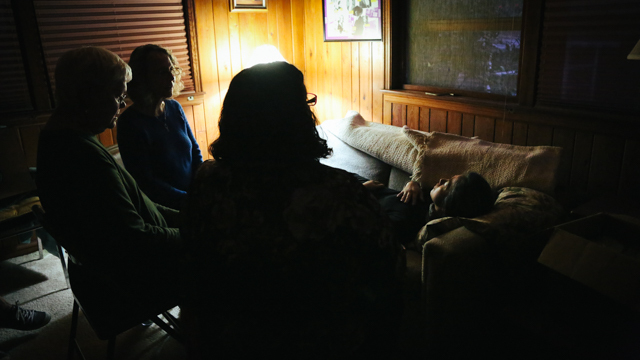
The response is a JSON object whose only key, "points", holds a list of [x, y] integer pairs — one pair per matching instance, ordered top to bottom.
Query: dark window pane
{"points": [[468, 44]]}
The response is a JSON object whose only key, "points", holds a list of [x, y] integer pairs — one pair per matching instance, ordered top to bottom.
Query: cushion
{"points": [[385, 142], [443, 155], [353, 160], [517, 211]]}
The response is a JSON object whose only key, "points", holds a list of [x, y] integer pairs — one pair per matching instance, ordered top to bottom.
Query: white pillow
{"points": [[385, 142], [443, 155]]}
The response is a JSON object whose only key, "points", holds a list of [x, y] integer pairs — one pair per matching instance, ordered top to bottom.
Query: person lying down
{"points": [[466, 195]]}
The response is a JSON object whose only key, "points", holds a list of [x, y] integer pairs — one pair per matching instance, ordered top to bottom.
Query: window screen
{"points": [[471, 45]]}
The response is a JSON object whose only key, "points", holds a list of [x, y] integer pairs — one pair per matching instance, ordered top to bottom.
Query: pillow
{"points": [[385, 142], [443, 155], [353, 160], [517, 211]]}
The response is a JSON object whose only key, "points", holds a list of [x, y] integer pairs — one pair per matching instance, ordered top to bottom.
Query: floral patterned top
{"points": [[292, 259]]}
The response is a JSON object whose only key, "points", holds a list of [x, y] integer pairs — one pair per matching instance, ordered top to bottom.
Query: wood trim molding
{"points": [[192, 37], [386, 38], [529, 55], [625, 126]]}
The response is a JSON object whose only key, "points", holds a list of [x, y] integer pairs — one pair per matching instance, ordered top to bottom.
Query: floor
{"points": [[40, 284]]}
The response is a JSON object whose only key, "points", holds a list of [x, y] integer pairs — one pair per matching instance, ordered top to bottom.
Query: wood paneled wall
{"points": [[345, 75], [597, 159]]}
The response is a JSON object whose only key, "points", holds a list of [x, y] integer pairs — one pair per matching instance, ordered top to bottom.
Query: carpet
{"points": [[40, 285]]}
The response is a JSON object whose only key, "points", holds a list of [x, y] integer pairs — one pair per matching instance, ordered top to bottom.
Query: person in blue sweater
{"points": [[154, 137]]}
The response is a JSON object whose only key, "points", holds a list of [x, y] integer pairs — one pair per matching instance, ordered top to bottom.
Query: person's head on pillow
{"points": [[266, 117], [467, 195]]}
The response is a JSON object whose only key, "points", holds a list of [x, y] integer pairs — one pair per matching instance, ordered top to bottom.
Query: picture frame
{"points": [[247, 5], [352, 20]]}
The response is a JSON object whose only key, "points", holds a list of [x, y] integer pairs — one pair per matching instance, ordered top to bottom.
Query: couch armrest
{"points": [[456, 275]]}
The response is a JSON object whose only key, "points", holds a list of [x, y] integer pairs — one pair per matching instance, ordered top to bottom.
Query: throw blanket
{"points": [[385, 142], [442, 155]]}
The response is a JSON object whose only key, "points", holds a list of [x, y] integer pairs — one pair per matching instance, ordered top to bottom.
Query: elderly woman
{"points": [[155, 140], [95, 209], [296, 256]]}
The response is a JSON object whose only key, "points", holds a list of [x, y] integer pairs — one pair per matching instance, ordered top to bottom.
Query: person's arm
{"points": [[135, 149], [196, 154], [411, 193], [108, 208], [171, 216]]}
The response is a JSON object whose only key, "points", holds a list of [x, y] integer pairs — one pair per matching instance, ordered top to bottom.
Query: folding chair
{"points": [[107, 318]]}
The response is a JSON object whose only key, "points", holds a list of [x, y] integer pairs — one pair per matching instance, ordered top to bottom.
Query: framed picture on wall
{"points": [[248, 5], [352, 20]]}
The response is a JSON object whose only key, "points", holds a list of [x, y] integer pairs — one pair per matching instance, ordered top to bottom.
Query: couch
{"points": [[458, 268]]}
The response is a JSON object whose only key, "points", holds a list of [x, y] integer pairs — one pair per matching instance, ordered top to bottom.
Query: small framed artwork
{"points": [[248, 5], [352, 20]]}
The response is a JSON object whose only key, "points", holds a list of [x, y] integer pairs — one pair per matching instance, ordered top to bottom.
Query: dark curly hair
{"points": [[265, 118], [471, 196]]}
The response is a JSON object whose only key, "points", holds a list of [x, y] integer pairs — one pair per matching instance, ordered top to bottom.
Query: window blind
{"points": [[117, 25], [583, 56], [14, 90]]}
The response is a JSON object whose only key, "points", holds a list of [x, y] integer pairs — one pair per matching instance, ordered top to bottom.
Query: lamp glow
{"points": [[265, 54]]}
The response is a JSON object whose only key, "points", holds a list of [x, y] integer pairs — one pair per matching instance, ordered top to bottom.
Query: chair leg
{"points": [[40, 253], [65, 271], [171, 319], [171, 331], [72, 335]]}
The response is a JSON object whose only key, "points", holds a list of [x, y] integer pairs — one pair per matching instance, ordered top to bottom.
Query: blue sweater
{"points": [[163, 160]]}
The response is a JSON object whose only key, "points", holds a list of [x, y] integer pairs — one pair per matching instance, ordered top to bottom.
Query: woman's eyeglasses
{"points": [[121, 99], [312, 99]]}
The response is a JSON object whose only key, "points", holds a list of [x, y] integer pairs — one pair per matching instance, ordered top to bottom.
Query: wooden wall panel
{"points": [[377, 79], [366, 90], [425, 112], [399, 115], [413, 116], [438, 120], [454, 123], [468, 123], [484, 128], [503, 131], [520, 133], [539, 135], [564, 138], [581, 162], [606, 164], [630, 172]]}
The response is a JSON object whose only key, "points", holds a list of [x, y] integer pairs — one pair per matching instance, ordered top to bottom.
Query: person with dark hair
{"points": [[155, 140], [467, 195], [296, 257]]}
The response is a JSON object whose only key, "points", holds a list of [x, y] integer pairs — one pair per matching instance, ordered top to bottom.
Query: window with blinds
{"points": [[117, 25], [583, 57], [14, 89]]}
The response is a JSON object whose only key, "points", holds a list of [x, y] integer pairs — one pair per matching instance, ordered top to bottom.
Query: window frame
{"points": [[530, 36]]}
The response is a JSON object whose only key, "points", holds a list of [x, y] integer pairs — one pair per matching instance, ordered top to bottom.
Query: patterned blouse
{"points": [[292, 259]]}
